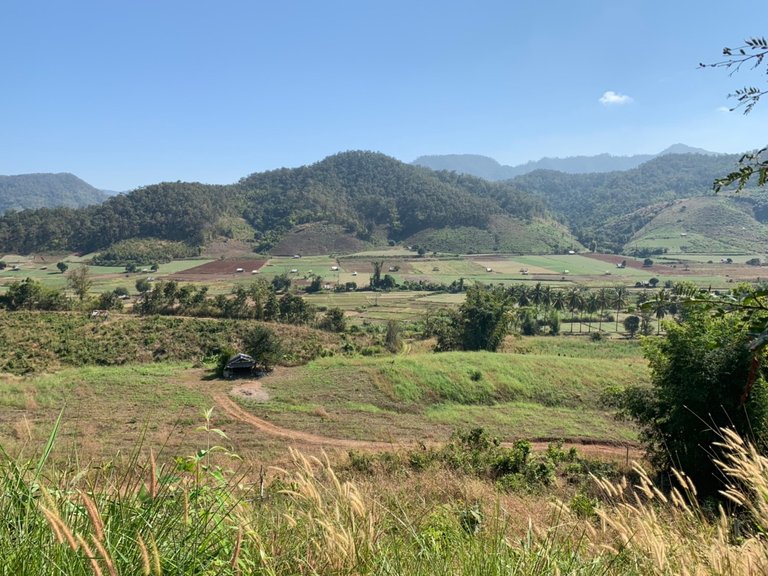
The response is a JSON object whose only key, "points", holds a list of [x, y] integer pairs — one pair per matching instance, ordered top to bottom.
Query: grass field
{"points": [[540, 388], [533, 392]]}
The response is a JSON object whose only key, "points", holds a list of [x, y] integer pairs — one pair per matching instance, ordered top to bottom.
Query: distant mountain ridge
{"points": [[490, 169], [31, 191]]}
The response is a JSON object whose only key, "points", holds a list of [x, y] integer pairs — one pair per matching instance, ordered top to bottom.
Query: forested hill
{"points": [[26, 191], [363, 192], [586, 202]]}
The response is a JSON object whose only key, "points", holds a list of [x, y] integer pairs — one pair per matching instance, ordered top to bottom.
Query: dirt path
{"points": [[236, 412], [605, 450]]}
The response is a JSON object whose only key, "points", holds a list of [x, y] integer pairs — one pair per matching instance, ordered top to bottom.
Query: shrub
{"points": [[475, 375], [703, 377]]}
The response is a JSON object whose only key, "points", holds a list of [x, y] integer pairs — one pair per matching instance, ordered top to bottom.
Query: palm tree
{"points": [[523, 294], [540, 295], [603, 299], [557, 300], [575, 301], [620, 301], [591, 305], [660, 305]]}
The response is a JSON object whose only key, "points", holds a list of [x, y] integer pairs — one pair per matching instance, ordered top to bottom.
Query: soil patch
{"points": [[225, 267], [250, 390]]}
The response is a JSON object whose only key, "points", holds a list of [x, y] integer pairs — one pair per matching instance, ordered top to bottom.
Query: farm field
{"points": [[589, 270]]}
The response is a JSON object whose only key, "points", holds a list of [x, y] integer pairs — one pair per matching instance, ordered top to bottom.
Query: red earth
{"points": [[225, 267]]}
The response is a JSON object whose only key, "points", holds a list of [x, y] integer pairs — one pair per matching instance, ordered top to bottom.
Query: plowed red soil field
{"points": [[224, 267]]}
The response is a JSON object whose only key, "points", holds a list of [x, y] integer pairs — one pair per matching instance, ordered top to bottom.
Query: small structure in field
{"points": [[239, 365]]}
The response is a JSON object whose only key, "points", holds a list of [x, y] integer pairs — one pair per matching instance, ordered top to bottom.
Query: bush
{"points": [[333, 320], [703, 378]]}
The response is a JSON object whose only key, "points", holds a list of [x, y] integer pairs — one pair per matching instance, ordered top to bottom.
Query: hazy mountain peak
{"points": [[685, 149], [490, 169], [46, 190]]}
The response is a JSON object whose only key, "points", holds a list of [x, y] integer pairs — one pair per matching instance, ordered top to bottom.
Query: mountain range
{"points": [[490, 169], [354, 200]]}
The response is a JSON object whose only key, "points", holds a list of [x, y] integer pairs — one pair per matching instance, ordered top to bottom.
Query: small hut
{"points": [[239, 365]]}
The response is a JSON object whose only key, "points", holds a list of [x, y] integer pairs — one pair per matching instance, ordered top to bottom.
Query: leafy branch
{"points": [[750, 55]]}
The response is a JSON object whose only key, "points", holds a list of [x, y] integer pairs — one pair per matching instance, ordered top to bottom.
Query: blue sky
{"points": [[128, 93]]}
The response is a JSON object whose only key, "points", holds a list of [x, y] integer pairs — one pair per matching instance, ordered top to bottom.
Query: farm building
{"points": [[239, 365]]}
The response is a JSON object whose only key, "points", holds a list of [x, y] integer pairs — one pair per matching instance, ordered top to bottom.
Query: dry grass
{"points": [[671, 534]]}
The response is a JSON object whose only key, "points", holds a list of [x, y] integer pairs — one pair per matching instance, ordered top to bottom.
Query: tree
{"points": [[750, 55], [62, 266], [376, 276], [79, 281], [281, 282], [143, 285], [315, 286], [31, 295], [620, 295], [108, 301], [575, 301], [603, 301], [591, 305], [660, 306], [295, 310], [484, 318], [480, 323], [632, 325], [264, 347], [703, 377]]}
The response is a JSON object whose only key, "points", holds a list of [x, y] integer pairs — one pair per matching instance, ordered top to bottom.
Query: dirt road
{"points": [[596, 449]]}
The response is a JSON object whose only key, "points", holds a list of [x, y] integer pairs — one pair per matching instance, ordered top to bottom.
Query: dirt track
{"points": [[238, 413], [604, 450]]}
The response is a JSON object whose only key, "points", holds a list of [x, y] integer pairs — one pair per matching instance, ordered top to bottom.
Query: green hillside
{"points": [[30, 191], [345, 202], [587, 202], [707, 224]]}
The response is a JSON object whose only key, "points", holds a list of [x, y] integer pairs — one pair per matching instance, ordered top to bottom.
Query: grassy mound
{"points": [[536, 393]]}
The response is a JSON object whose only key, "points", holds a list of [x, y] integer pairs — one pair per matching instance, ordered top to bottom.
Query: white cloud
{"points": [[611, 98], [723, 109]]}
